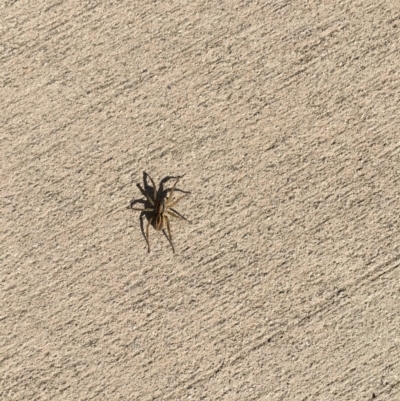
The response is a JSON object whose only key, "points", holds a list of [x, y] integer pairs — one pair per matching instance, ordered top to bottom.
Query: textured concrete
{"points": [[285, 118]]}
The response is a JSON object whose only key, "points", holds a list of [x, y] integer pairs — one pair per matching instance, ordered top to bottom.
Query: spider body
{"points": [[158, 208]]}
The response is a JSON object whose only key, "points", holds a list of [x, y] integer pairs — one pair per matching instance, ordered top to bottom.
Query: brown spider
{"points": [[158, 207]]}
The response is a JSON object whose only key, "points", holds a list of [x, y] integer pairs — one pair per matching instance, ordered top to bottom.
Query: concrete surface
{"points": [[285, 118]]}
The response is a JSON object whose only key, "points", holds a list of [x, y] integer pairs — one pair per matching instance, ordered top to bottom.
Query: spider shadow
{"points": [[161, 192], [156, 195]]}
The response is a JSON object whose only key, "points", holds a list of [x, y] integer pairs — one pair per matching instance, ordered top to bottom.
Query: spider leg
{"points": [[154, 188], [171, 191], [144, 193], [134, 202], [175, 202], [143, 210], [176, 214], [147, 233], [169, 233], [146, 237]]}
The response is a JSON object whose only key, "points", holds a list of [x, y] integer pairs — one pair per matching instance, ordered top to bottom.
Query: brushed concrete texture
{"points": [[285, 118]]}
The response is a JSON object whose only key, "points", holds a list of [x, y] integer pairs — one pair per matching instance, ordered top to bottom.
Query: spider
{"points": [[158, 207]]}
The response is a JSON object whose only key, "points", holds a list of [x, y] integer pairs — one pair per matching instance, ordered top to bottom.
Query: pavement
{"points": [[284, 117]]}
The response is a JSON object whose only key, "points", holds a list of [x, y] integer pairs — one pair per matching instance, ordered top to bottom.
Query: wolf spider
{"points": [[158, 207]]}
